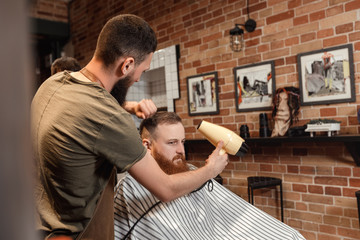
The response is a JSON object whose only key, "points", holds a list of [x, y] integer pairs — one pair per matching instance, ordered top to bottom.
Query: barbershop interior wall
{"points": [[51, 10], [319, 180]]}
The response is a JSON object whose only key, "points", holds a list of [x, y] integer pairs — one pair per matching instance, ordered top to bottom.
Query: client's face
{"points": [[168, 148]]}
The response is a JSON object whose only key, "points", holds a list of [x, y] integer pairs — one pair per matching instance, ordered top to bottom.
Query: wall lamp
{"points": [[237, 34]]}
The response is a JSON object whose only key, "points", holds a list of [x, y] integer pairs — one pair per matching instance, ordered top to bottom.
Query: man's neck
{"points": [[106, 77]]}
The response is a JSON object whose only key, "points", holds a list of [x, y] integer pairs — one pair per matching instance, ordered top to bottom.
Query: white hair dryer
{"points": [[233, 143]]}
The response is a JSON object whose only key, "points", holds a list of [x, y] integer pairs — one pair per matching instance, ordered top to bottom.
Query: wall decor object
{"points": [[326, 76], [254, 86], [203, 94]]}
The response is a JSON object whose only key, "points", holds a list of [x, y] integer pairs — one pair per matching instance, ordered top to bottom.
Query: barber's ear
{"points": [[127, 65], [147, 143]]}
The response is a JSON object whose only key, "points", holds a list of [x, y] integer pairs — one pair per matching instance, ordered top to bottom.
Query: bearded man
{"points": [[81, 134], [209, 212]]}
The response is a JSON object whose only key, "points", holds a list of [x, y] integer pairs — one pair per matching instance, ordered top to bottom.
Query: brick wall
{"points": [[52, 10], [319, 179]]}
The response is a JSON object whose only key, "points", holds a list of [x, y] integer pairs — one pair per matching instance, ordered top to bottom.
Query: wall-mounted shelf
{"points": [[351, 142]]}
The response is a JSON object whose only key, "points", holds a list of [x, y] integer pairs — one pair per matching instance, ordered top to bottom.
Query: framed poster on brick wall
{"points": [[326, 76], [254, 86], [203, 94]]}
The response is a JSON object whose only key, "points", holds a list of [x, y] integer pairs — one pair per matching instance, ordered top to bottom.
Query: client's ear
{"points": [[147, 143]]}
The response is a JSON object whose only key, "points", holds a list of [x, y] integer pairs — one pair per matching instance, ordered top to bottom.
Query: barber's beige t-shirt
{"points": [[79, 132]]}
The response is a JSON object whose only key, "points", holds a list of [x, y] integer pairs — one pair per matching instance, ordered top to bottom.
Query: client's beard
{"points": [[120, 90], [168, 166]]}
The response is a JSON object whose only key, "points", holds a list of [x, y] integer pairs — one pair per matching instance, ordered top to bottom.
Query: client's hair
{"points": [[148, 126]]}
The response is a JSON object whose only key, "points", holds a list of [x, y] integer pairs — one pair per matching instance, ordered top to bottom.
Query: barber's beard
{"points": [[120, 90], [168, 166]]}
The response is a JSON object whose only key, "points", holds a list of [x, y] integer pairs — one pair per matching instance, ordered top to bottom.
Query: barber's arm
{"points": [[143, 109], [169, 187]]}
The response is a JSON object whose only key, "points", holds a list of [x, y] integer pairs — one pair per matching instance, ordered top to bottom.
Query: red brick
{"points": [[294, 4], [352, 5], [255, 7], [334, 10], [198, 12], [316, 16], [280, 17], [300, 20], [215, 21], [349, 27], [325, 33], [354, 36], [308, 37], [292, 41], [335, 41], [252, 42], [277, 44], [291, 60], [279, 62], [228, 64], [205, 69], [326, 112], [353, 121], [266, 167], [279, 168], [292, 169], [307, 170], [342, 171], [356, 172], [337, 181], [354, 182], [299, 187], [315, 189], [333, 191], [349, 192], [317, 199], [301, 206], [316, 208], [336, 221], [327, 229], [350, 233], [327, 237]]}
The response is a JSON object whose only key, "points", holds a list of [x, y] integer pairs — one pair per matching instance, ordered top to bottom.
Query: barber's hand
{"points": [[145, 108], [217, 161]]}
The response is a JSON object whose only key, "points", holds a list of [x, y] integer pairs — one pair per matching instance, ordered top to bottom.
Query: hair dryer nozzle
{"points": [[233, 143], [242, 150]]}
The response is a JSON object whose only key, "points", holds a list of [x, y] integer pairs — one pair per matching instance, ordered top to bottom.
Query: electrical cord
{"points": [[210, 187]]}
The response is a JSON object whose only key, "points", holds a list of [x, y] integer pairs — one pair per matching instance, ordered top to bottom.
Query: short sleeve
{"points": [[119, 141]]}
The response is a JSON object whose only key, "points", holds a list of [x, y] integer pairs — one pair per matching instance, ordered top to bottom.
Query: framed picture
{"points": [[326, 76], [254, 86], [203, 94]]}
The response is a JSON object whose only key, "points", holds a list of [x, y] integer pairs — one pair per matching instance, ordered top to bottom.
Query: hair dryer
{"points": [[233, 143]]}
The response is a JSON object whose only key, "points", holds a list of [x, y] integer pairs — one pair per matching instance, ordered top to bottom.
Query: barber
{"points": [[81, 132]]}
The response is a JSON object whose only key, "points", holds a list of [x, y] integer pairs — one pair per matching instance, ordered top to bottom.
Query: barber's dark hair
{"points": [[125, 35], [65, 63], [293, 102], [151, 123]]}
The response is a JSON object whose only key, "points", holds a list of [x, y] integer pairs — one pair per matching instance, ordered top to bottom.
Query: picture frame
{"points": [[326, 76], [254, 86], [203, 96]]}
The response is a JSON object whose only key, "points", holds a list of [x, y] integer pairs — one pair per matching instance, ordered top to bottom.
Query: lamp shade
{"points": [[236, 39]]}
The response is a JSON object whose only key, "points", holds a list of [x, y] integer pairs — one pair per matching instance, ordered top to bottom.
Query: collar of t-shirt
{"points": [[80, 76]]}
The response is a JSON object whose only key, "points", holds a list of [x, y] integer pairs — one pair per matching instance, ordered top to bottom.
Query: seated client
{"points": [[211, 212]]}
